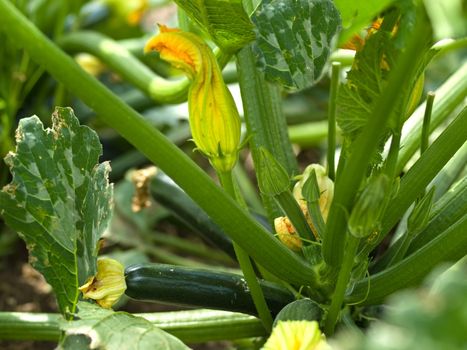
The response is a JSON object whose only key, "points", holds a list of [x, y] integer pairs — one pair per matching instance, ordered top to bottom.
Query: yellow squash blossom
{"points": [[214, 119], [108, 285], [296, 335]]}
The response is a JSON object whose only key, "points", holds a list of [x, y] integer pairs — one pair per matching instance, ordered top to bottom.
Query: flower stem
{"points": [[332, 119], [426, 121], [244, 260], [341, 286]]}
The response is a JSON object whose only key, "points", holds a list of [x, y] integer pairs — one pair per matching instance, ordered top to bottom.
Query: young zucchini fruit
{"points": [[200, 288]]}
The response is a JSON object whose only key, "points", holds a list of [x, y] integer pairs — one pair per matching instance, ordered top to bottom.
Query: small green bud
{"points": [[272, 177], [371, 204], [418, 218]]}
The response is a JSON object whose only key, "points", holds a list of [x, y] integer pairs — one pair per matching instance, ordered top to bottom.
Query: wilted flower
{"points": [[214, 119], [287, 233], [108, 285], [296, 335]]}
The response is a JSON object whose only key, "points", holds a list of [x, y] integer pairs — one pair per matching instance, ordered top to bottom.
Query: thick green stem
{"points": [[332, 119], [266, 125], [348, 183], [219, 206], [245, 262], [341, 285], [194, 326]]}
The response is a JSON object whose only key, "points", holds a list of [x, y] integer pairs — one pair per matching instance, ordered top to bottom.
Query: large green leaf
{"points": [[224, 20], [293, 39], [368, 77], [59, 200], [98, 328]]}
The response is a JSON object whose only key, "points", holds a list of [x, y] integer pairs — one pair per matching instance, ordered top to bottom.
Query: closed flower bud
{"points": [[214, 119], [272, 177], [326, 189], [366, 214], [420, 214], [287, 233], [108, 285], [299, 335]]}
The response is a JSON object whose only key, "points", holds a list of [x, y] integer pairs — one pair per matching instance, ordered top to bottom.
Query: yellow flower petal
{"points": [[214, 119], [108, 285], [296, 335]]}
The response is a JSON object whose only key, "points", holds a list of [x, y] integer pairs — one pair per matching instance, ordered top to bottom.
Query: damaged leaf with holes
{"points": [[59, 200]]}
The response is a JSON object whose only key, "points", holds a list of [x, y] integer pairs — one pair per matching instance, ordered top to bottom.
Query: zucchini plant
{"points": [[313, 250]]}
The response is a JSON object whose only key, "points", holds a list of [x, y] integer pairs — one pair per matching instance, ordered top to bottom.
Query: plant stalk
{"points": [[335, 73], [426, 122], [348, 183], [244, 260], [341, 285]]}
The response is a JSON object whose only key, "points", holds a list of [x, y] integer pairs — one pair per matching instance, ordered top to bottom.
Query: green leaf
{"points": [[358, 13], [224, 20], [293, 40], [370, 72], [365, 82], [59, 200], [98, 328]]}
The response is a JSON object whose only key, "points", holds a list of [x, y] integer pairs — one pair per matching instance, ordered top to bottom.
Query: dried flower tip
{"points": [[141, 179], [287, 233], [108, 285]]}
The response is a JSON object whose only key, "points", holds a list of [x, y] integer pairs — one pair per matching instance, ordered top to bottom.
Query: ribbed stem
{"points": [[335, 72], [426, 122], [245, 262], [341, 285]]}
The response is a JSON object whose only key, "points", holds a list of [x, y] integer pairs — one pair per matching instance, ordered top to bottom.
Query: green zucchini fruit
{"points": [[200, 288]]}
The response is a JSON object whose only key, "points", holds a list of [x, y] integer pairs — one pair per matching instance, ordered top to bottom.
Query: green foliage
{"points": [[358, 13], [224, 20], [294, 40], [369, 75], [59, 200], [434, 317], [97, 328]]}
